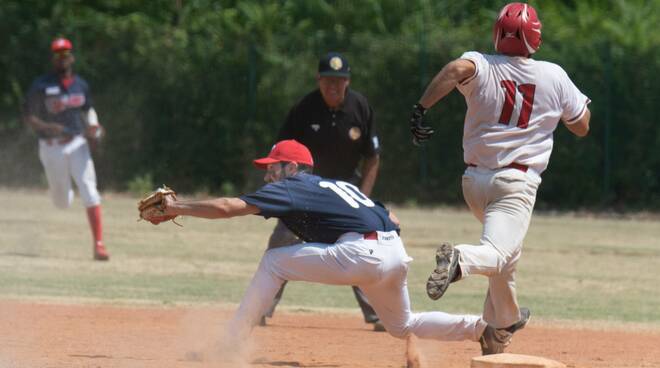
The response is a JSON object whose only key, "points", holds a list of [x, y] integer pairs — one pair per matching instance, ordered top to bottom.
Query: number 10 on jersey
{"points": [[348, 192]]}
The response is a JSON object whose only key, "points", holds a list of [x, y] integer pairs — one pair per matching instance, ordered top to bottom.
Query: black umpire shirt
{"points": [[337, 139]]}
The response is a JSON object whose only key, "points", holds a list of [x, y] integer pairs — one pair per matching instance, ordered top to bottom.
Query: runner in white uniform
{"points": [[513, 106]]}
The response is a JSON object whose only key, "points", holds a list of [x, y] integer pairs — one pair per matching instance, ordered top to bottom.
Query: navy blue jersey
{"points": [[49, 100], [318, 209]]}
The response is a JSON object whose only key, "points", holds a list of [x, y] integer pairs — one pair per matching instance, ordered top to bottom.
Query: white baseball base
{"points": [[506, 360]]}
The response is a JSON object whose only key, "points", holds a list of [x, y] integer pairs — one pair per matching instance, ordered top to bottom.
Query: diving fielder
{"points": [[349, 240]]}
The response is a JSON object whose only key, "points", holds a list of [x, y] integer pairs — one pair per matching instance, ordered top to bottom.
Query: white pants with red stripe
{"points": [[62, 162], [503, 200], [379, 267]]}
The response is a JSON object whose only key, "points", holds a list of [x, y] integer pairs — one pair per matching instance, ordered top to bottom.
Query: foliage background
{"points": [[191, 90]]}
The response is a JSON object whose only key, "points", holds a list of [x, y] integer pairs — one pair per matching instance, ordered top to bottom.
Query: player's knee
{"points": [[90, 198], [62, 202], [499, 258], [272, 259], [399, 332]]}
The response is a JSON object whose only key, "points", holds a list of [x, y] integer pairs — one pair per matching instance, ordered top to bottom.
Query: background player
{"points": [[513, 106], [59, 109], [336, 124], [349, 240]]}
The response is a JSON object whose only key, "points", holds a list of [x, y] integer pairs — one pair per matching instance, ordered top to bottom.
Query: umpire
{"points": [[336, 124]]}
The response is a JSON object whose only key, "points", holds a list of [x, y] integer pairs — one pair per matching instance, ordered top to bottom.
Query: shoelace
{"points": [[502, 336]]}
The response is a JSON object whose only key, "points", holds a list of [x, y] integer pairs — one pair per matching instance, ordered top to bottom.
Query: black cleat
{"points": [[379, 327]]}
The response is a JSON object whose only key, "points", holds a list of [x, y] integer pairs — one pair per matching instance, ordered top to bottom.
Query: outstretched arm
{"points": [[446, 80], [209, 208]]}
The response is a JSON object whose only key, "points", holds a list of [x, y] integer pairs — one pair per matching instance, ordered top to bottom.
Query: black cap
{"points": [[334, 65]]}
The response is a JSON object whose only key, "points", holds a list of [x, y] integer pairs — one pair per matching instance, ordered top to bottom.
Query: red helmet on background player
{"points": [[517, 30], [61, 44]]}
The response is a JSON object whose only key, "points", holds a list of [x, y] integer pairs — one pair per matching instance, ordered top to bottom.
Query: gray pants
{"points": [[503, 200], [282, 237]]}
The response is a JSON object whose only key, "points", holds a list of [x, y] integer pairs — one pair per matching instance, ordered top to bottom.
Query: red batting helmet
{"points": [[517, 30], [61, 44]]}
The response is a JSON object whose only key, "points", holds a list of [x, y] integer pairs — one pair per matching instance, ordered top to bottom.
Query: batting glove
{"points": [[420, 132]]}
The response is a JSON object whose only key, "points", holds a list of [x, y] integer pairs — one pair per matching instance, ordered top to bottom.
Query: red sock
{"points": [[94, 216]]}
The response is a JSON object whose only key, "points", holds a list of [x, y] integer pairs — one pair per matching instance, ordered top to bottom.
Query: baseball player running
{"points": [[513, 106], [59, 109], [349, 240]]}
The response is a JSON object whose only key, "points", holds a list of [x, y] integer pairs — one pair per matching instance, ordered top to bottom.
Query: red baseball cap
{"points": [[61, 44], [288, 151]]}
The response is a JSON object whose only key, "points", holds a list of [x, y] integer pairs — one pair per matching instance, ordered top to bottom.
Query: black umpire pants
{"points": [[281, 237]]}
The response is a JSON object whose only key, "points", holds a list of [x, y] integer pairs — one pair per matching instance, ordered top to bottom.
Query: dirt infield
{"points": [[54, 335]]}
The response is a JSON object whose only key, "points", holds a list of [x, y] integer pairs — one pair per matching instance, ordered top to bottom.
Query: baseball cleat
{"points": [[100, 253], [446, 259], [525, 316], [379, 327], [495, 340]]}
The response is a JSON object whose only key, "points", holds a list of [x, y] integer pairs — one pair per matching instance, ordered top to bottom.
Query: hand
{"points": [[52, 129], [94, 132], [420, 132], [166, 205], [155, 208], [394, 219]]}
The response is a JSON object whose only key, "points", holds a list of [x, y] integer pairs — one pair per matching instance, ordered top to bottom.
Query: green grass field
{"points": [[573, 268]]}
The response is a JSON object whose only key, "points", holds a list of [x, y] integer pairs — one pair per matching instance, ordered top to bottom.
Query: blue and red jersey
{"points": [[62, 102]]}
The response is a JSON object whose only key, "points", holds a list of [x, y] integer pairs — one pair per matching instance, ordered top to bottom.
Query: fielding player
{"points": [[513, 106], [59, 109], [337, 125], [349, 240]]}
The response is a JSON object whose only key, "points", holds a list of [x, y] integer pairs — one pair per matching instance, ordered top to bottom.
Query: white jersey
{"points": [[513, 107]]}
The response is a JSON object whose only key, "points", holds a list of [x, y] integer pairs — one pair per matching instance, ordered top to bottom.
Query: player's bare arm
{"points": [[446, 80], [38, 125], [581, 126], [93, 129], [369, 174], [210, 208]]}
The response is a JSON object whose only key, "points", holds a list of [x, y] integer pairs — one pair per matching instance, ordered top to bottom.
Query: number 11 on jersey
{"points": [[527, 91]]}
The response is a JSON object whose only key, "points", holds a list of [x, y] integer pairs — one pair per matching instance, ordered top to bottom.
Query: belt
{"points": [[59, 141], [513, 165], [371, 236]]}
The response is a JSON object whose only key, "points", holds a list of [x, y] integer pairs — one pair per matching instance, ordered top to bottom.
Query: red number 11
{"points": [[527, 90]]}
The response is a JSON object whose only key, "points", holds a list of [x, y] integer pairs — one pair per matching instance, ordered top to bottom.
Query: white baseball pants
{"points": [[62, 162], [503, 200], [378, 267]]}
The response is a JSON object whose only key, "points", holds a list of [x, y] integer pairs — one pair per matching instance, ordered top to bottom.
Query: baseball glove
{"points": [[151, 207]]}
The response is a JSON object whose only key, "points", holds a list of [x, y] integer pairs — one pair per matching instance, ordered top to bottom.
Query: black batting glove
{"points": [[420, 132]]}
